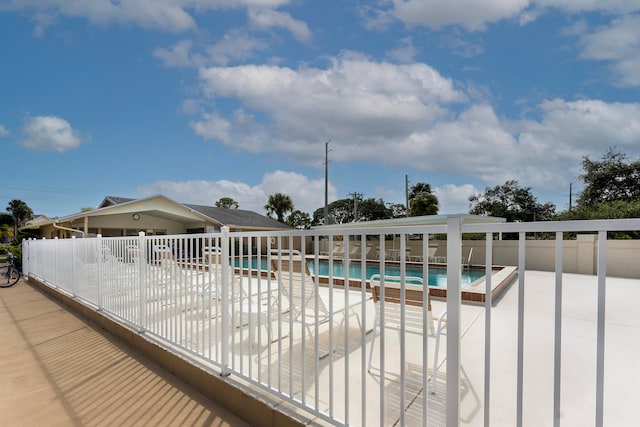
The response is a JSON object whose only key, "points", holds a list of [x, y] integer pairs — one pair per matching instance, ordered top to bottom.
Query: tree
{"points": [[612, 178], [611, 191], [422, 201], [512, 202], [227, 203], [279, 204], [423, 204], [344, 210], [373, 210], [398, 210], [20, 212], [339, 212], [298, 219], [6, 233]]}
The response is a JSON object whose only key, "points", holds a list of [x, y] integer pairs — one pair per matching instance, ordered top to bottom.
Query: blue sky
{"points": [[203, 99]]}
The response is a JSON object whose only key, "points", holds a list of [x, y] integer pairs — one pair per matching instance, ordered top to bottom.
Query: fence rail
{"points": [[291, 312]]}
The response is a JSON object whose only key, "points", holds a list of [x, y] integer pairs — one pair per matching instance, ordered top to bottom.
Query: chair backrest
{"points": [[338, 249], [372, 251], [432, 251], [133, 252], [163, 252], [212, 254], [108, 256], [467, 262], [296, 283], [415, 297]]}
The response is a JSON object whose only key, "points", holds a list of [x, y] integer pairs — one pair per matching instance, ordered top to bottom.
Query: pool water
{"points": [[437, 275]]}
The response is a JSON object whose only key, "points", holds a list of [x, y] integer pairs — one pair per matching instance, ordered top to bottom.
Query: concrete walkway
{"points": [[58, 370]]}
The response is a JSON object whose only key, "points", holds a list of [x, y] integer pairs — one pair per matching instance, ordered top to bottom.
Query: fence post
{"points": [[99, 251], [25, 257], [55, 261], [73, 263], [142, 281], [227, 286], [454, 300], [600, 347]]}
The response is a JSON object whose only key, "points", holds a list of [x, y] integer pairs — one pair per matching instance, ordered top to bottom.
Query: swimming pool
{"points": [[437, 275]]}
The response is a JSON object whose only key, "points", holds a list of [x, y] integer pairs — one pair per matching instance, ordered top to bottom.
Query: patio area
{"points": [[562, 344], [363, 398]]}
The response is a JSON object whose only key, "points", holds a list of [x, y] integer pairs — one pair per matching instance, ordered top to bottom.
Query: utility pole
{"points": [[326, 182], [406, 194], [570, 194], [355, 205]]}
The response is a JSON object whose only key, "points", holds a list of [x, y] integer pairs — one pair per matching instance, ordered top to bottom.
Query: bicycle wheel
{"points": [[8, 277]]}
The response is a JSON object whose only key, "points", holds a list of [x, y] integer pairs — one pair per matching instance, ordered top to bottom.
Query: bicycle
{"points": [[9, 274]]}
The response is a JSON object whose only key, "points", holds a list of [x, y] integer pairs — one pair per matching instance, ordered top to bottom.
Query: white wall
{"points": [[579, 256]]}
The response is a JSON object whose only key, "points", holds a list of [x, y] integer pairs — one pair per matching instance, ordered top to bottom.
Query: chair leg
{"points": [[373, 341], [434, 371]]}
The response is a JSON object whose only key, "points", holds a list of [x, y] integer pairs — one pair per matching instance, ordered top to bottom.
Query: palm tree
{"points": [[422, 201], [279, 204], [20, 212]]}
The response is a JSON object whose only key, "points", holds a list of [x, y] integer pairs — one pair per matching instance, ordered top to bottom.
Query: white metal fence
{"points": [[241, 302]]}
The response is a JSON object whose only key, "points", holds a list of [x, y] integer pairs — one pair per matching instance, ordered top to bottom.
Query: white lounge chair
{"points": [[338, 250], [354, 251], [440, 255], [431, 257], [466, 261], [170, 266], [297, 284], [415, 298]]}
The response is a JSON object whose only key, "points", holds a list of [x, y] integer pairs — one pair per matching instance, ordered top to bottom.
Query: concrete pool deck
{"points": [[622, 351]]}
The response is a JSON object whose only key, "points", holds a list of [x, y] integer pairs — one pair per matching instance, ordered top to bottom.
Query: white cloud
{"points": [[577, 6], [471, 14], [165, 15], [476, 15], [268, 18], [43, 21], [577, 28], [618, 43], [235, 45], [460, 46], [405, 52], [179, 55], [353, 97], [404, 116], [212, 126], [3, 131], [242, 131], [50, 133], [475, 142], [543, 153], [208, 192], [306, 194], [454, 198]]}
